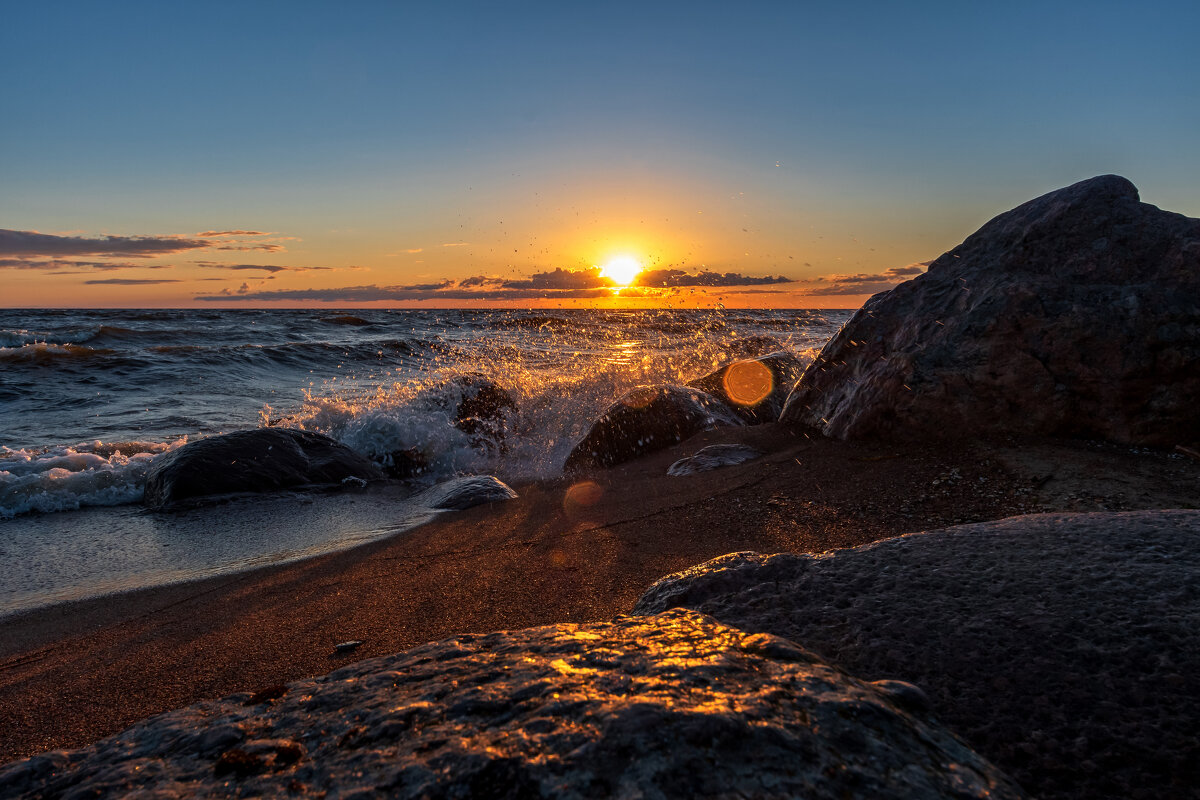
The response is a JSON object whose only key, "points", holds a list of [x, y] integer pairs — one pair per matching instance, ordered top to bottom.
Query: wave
{"points": [[49, 353], [70, 477]]}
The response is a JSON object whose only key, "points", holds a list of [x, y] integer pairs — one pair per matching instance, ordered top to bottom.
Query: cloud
{"points": [[233, 233], [32, 243], [455, 244], [269, 248], [415, 250], [76, 267], [265, 267], [678, 277], [131, 281], [863, 283], [554, 284]]}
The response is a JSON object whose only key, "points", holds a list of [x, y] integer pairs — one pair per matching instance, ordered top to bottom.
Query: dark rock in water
{"points": [[1075, 314], [345, 319], [755, 388], [483, 410], [645, 420], [714, 456], [261, 460], [404, 464], [459, 494], [1053, 643], [676, 705]]}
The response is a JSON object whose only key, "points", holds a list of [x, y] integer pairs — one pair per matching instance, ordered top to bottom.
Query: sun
{"points": [[621, 271]]}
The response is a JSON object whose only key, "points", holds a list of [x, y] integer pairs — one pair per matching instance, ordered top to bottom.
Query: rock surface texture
{"points": [[1075, 314], [755, 388], [648, 419], [712, 457], [261, 460], [459, 494], [1063, 647], [675, 705]]}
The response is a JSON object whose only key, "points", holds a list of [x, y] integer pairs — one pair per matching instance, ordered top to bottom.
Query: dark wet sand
{"points": [[74, 673]]}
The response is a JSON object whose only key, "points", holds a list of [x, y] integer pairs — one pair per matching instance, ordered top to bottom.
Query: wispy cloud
{"points": [[233, 233], [32, 243], [455, 244], [268, 248], [73, 267], [268, 267], [678, 278], [131, 281], [863, 283]]}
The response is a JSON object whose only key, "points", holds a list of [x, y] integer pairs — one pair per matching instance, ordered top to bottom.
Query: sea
{"points": [[89, 398]]}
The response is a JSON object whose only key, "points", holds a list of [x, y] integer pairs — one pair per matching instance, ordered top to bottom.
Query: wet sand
{"points": [[73, 673]]}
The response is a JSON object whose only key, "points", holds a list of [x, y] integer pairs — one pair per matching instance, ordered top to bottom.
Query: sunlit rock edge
{"points": [[671, 705]]}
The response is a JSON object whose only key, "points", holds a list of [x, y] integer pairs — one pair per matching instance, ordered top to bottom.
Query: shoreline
{"points": [[72, 673]]}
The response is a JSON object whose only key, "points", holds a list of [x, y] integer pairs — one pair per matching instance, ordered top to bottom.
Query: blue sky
{"points": [[751, 138]]}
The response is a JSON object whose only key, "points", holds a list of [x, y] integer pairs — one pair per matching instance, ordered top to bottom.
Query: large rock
{"points": [[1077, 314], [755, 388], [648, 419], [261, 460], [1065, 648], [671, 706]]}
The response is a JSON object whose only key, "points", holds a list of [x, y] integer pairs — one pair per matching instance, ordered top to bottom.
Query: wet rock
{"points": [[1075, 314], [755, 388], [483, 410], [645, 420], [714, 456], [261, 460], [404, 464], [459, 494], [1047, 641], [675, 705]]}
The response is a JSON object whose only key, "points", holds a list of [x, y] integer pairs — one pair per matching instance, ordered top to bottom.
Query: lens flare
{"points": [[748, 382]]}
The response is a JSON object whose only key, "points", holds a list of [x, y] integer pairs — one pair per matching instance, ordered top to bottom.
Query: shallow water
{"points": [[88, 399]]}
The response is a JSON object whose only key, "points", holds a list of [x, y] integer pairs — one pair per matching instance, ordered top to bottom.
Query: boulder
{"points": [[1075, 314], [755, 388], [645, 420], [714, 456], [261, 460], [459, 494], [1063, 647], [676, 705]]}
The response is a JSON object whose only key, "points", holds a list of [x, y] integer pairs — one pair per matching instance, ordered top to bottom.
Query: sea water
{"points": [[88, 400]]}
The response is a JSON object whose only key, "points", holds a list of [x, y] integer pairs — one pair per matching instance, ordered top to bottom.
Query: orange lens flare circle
{"points": [[748, 383], [581, 495]]}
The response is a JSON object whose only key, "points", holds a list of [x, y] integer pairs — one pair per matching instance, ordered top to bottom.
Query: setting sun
{"points": [[622, 270]]}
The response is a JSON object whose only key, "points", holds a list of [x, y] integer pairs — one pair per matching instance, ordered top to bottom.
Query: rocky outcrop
{"points": [[1075, 314], [754, 388], [645, 420], [714, 456], [261, 460], [459, 494], [1063, 647], [675, 705]]}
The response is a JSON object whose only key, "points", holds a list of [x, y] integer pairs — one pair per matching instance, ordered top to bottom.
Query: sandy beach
{"points": [[73, 673]]}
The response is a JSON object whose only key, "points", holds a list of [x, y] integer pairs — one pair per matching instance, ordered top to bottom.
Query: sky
{"points": [[401, 154]]}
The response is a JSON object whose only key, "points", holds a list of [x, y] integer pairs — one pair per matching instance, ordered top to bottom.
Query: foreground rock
{"points": [[1077, 313], [756, 388], [645, 420], [261, 460], [1063, 647], [670, 706]]}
